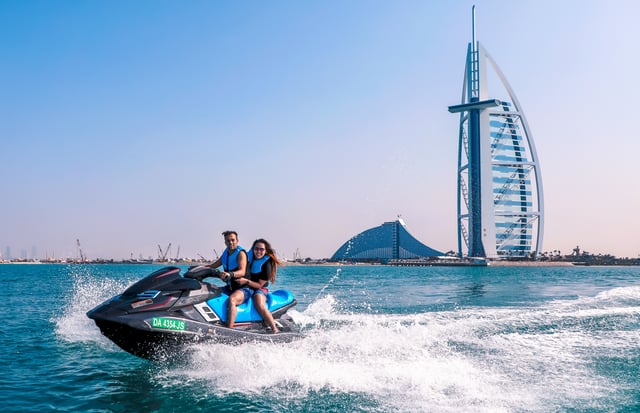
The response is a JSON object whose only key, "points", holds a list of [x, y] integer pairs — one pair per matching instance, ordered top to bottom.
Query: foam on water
{"points": [[88, 291], [477, 359]]}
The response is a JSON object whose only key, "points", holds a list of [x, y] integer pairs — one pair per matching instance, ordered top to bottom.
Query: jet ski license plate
{"points": [[168, 323]]}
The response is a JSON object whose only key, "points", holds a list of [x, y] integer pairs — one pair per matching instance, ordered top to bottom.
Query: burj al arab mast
{"points": [[500, 201]]}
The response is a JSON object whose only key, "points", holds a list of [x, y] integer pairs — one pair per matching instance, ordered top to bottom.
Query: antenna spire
{"points": [[473, 28]]}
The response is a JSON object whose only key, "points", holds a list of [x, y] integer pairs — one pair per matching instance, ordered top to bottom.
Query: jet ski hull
{"points": [[155, 344]]}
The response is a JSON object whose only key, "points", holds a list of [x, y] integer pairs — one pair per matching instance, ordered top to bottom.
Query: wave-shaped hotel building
{"points": [[500, 201], [389, 241]]}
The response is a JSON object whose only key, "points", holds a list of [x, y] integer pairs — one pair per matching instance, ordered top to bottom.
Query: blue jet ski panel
{"points": [[247, 311]]}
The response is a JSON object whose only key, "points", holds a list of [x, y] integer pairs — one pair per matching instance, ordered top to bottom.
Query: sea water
{"points": [[378, 339]]}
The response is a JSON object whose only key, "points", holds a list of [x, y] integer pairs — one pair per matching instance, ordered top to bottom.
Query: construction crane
{"points": [[80, 250], [178, 254], [162, 256]]}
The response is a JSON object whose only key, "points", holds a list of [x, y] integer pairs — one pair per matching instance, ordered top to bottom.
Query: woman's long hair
{"points": [[271, 253]]}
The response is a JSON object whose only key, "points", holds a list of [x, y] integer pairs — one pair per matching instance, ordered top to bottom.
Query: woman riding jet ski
{"points": [[162, 312]]}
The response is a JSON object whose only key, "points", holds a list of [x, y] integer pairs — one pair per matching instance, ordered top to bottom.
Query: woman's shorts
{"points": [[262, 291]]}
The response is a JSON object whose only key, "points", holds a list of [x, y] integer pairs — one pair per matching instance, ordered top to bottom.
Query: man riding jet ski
{"points": [[162, 312]]}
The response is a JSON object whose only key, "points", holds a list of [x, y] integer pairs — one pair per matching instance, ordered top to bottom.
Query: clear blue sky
{"points": [[128, 124]]}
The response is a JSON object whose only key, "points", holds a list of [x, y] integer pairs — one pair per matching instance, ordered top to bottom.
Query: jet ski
{"points": [[159, 315]]}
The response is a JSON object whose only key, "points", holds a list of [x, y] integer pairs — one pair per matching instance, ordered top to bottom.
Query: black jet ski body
{"points": [[160, 314]]}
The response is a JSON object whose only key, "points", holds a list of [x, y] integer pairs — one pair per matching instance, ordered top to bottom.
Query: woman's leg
{"points": [[260, 301]]}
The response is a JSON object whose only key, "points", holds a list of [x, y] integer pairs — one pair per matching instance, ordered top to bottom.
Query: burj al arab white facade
{"points": [[500, 200]]}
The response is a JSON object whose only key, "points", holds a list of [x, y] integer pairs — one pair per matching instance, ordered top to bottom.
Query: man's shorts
{"points": [[247, 292]]}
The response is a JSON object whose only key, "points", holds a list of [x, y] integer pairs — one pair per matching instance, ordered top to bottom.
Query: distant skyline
{"points": [[131, 124]]}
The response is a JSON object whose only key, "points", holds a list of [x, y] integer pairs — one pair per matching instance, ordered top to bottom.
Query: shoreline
{"points": [[489, 263]]}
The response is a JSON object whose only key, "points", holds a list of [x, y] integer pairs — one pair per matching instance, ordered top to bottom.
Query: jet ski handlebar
{"points": [[200, 272]]}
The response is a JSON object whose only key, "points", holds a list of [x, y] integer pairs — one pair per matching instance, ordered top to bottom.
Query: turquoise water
{"points": [[379, 339]]}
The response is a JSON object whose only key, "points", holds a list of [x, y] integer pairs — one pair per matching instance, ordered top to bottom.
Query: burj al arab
{"points": [[500, 201]]}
